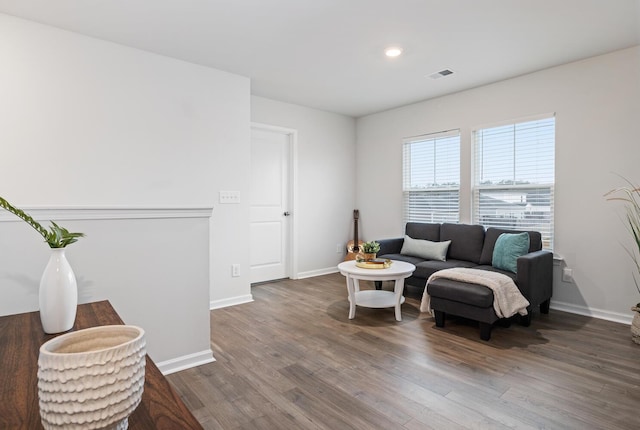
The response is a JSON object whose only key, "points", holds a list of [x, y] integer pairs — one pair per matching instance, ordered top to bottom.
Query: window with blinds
{"points": [[514, 176], [431, 178]]}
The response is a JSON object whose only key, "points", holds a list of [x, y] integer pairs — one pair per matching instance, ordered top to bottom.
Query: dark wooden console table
{"points": [[20, 339]]}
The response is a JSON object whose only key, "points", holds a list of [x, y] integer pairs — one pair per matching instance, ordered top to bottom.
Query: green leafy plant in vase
{"points": [[630, 196], [369, 251], [58, 294]]}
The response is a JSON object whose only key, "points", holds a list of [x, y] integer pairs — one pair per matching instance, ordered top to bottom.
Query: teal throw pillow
{"points": [[425, 248], [508, 248]]}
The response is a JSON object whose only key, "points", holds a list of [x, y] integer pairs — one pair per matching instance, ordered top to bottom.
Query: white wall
{"points": [[597, 102], [87, 123], [325, 180]]}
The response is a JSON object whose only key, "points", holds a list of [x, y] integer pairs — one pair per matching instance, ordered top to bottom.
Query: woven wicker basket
{"points": [[635, 325], [91, 378]]}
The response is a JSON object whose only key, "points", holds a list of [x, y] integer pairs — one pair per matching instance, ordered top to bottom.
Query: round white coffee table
{"points": [[398, 271]]}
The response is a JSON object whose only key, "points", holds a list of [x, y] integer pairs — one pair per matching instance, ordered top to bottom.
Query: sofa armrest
{"points": [[390, 246], [535, 276]]}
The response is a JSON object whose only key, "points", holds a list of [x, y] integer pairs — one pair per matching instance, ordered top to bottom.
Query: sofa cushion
{"points": [[421, 230], [492, 234], [466, 241], [425, 248], [508, 248], [408, 258], [424, 269], [462, 292]]}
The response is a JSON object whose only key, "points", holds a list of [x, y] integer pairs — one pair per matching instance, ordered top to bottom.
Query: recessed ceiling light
{"points": [[393, 51]]}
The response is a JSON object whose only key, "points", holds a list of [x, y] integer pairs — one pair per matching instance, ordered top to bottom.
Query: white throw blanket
{"points": [[507, 299]]}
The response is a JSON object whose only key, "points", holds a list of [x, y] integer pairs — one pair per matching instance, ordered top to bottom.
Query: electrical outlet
{"points": [[339, 248], [235, 270], [567, 275]]}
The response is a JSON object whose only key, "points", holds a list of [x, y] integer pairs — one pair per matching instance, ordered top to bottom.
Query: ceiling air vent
{"points": [[441, 74]]}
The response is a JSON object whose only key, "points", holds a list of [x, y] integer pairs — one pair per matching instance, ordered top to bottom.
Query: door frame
{"points": [[292, 136]]}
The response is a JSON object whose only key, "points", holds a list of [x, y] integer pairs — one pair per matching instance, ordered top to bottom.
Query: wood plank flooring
{"points": [[293, 360]]}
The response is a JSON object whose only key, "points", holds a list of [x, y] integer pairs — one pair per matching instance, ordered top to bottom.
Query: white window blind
{"points": [[515, 176], [431, 178]]}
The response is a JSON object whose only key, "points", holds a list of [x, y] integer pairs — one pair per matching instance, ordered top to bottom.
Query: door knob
{"points": [[286, 213]]}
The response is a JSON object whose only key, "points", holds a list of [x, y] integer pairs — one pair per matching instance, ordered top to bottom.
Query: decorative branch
{"points": [[630, 196], [58, 237]]}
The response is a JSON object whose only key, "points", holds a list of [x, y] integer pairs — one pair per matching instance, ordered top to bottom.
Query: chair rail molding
{"points": [[108, 212]]}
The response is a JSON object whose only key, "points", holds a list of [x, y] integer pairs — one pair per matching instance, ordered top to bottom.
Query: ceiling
{"points": [[328, 54]]}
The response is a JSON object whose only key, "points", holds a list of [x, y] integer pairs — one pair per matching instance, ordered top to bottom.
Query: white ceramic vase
{"points": [[58, 294], [91, 378]]}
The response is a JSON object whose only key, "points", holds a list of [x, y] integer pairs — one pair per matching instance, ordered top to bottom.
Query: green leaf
{"points": [[61, 237]]}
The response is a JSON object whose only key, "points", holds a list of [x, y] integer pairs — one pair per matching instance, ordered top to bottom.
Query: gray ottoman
{"points": [[471, 301]]}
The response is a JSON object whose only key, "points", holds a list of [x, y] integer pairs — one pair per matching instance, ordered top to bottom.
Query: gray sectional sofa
{"points": [[472, 246]]}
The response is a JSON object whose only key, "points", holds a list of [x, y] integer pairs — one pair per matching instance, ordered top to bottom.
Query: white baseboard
{"points": [[319, 272], [217, 304], [561, 306], [590, 312], [186, 362]]}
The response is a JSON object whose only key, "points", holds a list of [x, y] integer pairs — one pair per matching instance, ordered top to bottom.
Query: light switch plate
{"points": [[229, 197]]}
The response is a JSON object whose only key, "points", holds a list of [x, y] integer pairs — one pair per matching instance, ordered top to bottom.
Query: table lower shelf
{"points": [[377, 299]]}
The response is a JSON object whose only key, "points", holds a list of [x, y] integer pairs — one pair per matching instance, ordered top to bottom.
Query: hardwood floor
{"points": [[293, 360]]}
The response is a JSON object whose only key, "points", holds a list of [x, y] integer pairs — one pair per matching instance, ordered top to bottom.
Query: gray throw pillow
{"points": [[425, 248]]}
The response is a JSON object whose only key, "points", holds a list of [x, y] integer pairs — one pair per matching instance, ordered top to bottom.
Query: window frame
{"points": [[514, 187], [409, 192]]}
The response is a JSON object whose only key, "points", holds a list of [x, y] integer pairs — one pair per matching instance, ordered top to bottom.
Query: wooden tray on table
{"points": [[378, 263]]}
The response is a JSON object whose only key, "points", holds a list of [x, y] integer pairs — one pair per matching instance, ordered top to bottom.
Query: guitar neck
{"points": [[355, 233], [353, 248]]}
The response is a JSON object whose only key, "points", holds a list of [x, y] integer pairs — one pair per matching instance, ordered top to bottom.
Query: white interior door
{"points": [[269, 204]]}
